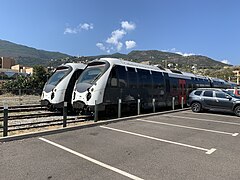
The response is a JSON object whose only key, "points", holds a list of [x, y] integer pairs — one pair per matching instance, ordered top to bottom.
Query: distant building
{"points": [[6, 62], [145, 62], [22, 69], [237, 72]]}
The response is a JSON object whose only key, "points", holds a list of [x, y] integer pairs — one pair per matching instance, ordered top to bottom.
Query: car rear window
{"points": [[197, 93], [208, 94]]}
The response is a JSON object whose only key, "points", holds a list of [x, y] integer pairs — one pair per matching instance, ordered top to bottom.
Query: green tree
{"points": [[33, 83]]}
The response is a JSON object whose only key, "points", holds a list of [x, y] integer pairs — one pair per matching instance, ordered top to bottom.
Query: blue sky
{"points": [[92, 27]]}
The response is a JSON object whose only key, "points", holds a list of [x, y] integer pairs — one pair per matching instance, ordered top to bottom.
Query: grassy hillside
{"points": [[27, 55]]}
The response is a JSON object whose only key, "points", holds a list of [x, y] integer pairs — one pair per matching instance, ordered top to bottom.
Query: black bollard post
{"points": [[182, 102], [153, 103], [173, 103], [138, 106], [119, 108], [95, 112], [65, 114], [5, 120]]}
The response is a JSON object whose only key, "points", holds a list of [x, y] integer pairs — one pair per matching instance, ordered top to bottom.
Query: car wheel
{"points": [[196, 107], [237, 111]]}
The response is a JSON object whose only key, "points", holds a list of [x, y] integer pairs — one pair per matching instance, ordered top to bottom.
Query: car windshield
{"points": [[92, 72], [58, 75]]}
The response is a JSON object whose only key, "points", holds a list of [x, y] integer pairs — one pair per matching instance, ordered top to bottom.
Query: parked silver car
{"points": [[209, 98]]}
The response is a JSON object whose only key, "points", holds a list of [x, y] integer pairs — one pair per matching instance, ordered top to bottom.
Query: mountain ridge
{"points": [[23, 54], [29, 56]]}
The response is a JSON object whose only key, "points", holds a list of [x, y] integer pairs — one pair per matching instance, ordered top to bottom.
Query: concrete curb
{"points": [[99, 123]]}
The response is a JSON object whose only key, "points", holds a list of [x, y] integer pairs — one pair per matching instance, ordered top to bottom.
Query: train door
{"points": [[182, 91], [111, 94], [168, 98]]}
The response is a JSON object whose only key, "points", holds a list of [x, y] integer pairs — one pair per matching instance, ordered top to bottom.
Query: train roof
{"points": [[74, 65], [171, 73]]}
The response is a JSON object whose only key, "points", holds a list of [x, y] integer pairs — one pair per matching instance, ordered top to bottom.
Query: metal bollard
{"points": [[20, 98], [182, 102], [153, 103], [173, 103], [119, 107], [138, 107], [95, 112], [65, 114], [5, 120]]}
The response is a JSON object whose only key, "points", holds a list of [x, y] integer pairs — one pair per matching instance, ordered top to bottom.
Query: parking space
{"points": [[180, 145]]}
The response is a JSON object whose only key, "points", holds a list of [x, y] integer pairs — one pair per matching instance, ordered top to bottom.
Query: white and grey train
{"points": [[105, 81], [58, 89]]}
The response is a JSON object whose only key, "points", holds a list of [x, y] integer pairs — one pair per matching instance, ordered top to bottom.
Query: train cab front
{"points": [[87, 86]]}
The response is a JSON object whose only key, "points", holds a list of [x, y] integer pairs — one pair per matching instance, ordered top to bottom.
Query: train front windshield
{"points": [[90, 75], [57, 76]]}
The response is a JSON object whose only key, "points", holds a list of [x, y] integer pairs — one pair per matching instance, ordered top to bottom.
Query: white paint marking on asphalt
{"points": [[220, 115], [198, 119], [188, 127], [235, 134], [208, 151], [92, 160]]}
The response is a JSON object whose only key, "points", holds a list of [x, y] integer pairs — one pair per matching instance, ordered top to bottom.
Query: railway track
{"points": [[23, 108], [35, 116]]}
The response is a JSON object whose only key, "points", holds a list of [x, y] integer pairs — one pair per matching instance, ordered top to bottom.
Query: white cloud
{"points": [[86, 26], [128, 26], [69, 30], [75, 30], [116, 36], [115, 42], [130, 44], [101, 46], [119, 46], [174, 50], [185, 54], [225, 62]]}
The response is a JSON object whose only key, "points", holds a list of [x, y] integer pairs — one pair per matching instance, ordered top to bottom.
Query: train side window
{"points": [[122, 76], [132, 78], [145, 79], [112, 80], [158, 82], [174, 84], [238, 92]]}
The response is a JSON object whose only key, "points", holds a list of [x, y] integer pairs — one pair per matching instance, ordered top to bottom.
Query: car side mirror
{"points": [[228, 97]]}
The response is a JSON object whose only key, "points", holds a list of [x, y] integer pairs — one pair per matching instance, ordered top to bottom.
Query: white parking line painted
{"points": [[220, 115], [198, 119], [188, 127], [207, 151], [92, 160]]}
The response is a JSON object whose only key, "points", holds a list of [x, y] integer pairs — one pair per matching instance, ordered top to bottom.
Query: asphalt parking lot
{"points": [[180, 145]]}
